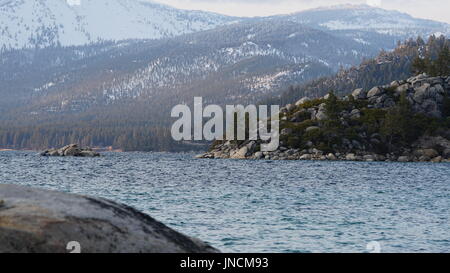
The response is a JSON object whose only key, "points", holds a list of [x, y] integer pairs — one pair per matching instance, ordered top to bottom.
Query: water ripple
{"points": [[263, 206]]}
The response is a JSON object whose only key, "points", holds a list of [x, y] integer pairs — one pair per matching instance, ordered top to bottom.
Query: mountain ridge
{"points": [[26, 23]]}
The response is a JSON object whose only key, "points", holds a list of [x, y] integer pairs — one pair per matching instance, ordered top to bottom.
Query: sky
{"points": [[438, 10]]}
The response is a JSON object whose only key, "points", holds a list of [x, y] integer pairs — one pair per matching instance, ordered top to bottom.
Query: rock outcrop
{"points": [[303, 124], [71, 150], [40, 221]]}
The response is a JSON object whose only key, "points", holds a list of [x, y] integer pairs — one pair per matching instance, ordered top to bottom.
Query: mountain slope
{"points": [[30, 23], [369, 25], [239, 63], [385, 68]]}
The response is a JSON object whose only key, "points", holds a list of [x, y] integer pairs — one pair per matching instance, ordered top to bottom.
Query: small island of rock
{"points": [[71, 150]]}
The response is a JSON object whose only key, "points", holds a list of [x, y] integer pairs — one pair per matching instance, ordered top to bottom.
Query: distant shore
{"points": [[33, 150]]}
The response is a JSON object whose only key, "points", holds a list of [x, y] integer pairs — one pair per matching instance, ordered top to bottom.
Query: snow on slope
{"points": [[364, 17], [29, 23]]}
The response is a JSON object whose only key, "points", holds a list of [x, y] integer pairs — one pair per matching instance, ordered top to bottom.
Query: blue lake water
{"points": [[262, 206]]}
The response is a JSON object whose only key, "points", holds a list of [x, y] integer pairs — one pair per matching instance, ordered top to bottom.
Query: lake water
{"points": [[262, 206]]}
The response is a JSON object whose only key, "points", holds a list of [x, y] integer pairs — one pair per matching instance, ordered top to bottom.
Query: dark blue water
{"points": [[263, 206]]}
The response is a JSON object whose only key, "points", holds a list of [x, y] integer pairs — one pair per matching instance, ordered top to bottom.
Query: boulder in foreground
{"points": [[71, 150], [41, 221]]}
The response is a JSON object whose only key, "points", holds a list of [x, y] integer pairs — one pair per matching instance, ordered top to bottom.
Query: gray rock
{"points": [[394, 84], [402, 88], [439, 89], [376, 91], [421, 92], [302, 101], [388, 103], [290, 107], [431, 108], [355, 114], [321, 115], [297, 116], [312, 128], [251, 146], [71, 150], [241, 153], [430, 153], [446, 153], [258, 155], [331, 156], [306, 157], [350, 157], [369, 158], [424, 158], [403, 159], [437, 159], [40, 221]]}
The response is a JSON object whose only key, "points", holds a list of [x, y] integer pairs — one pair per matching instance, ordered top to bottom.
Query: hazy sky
{"points": [[429, 9]]}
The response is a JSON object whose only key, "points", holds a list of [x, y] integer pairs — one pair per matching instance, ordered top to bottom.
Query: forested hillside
{"points": [[385, 68]]}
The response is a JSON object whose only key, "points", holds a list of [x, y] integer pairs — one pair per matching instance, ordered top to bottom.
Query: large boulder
{"points": [[401, 89], [374, 92], [421, 92], [359, 94], [302, 101], [290, 107], [321, 113], [241, 153], [430, 153], [351, 157], [41, 221]]}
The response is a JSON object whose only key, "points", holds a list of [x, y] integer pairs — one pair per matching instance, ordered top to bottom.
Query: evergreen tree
{"points": [[442, 63], [419, 66], [398, 124], [332, 125]]}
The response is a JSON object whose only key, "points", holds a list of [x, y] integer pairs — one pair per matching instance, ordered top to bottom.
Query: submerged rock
{"points": [[71, 150], [40, 221]]}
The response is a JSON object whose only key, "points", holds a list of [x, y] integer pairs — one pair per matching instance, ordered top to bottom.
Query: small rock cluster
{"points": [[425, 95], [71, 150], [422, 151]]}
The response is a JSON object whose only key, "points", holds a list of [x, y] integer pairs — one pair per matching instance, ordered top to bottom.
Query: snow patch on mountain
{"points": [[29, 23]]}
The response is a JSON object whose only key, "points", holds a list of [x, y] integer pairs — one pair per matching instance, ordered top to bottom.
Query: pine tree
{"points": [[442, 63], [419, 66], [398, 123]]}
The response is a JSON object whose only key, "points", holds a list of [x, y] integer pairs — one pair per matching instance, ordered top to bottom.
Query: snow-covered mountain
{"points": [[364, 17], [30, 23], [368, 25]]}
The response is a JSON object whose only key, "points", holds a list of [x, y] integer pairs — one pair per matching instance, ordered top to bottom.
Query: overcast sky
{"points": [[429, 9]]}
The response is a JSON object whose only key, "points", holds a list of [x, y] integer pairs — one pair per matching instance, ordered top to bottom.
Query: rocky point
{"points": [[403, 121]]}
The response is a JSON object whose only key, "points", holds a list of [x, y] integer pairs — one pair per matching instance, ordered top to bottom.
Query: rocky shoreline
{"points": [[304, 123], [71, 150], [41, 221]]}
